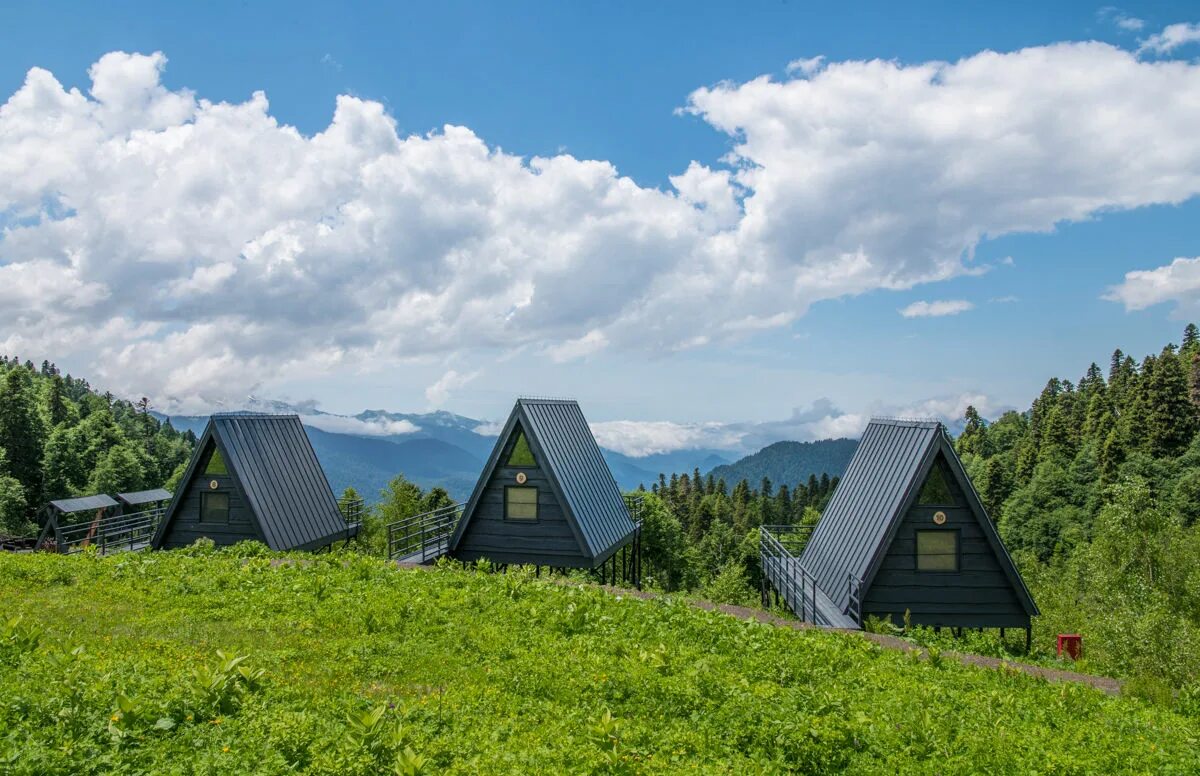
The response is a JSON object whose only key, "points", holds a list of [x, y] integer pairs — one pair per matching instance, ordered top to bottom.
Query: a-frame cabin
{"points": [[255, 477], [546, 496], [905, 531]]}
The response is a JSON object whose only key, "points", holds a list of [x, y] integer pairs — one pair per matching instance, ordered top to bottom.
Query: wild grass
{"points": [[239, 662]]}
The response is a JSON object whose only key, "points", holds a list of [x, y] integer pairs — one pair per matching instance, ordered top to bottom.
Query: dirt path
{"points": [[1102, 683]]}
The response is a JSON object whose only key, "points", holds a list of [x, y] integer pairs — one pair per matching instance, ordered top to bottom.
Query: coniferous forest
{"points": [[59, 438]]}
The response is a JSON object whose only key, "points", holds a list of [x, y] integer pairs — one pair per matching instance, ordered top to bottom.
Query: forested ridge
{"points": [[61, 438], [790, 461], [1096, 492]]}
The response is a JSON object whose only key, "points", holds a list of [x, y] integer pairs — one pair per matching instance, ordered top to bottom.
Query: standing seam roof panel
{"points": [[579, 468], [282, 479], [873, 489]]}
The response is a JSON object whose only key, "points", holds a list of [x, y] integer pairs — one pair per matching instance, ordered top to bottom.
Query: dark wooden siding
{"points": [[186, 527], [548, 541], [979, 594]]}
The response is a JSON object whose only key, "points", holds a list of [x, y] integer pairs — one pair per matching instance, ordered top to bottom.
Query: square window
{"points": [[520, 503], [214, 507], [937, 550]]}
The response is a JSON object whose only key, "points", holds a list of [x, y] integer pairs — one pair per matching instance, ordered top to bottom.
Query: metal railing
{"points": [[352, 509], [115, 533], [424, 537], [781, 568], [854, 608]]}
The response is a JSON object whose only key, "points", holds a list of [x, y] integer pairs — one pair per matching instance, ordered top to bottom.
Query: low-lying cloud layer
{"points": [[197, 251], [822, 420]]}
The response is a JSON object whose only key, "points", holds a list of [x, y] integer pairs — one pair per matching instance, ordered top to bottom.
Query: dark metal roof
{"points": [[563, 444], [272, 460], [575, 461], [887, 470], [144, 496], [83, 503]]}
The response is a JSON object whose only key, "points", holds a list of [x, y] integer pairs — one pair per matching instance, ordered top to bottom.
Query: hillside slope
{"points": [[790, 463], [367, 668]]}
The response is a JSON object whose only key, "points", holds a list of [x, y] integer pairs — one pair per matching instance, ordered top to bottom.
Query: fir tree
{"points": [[1191, 340], [1194, 380], [57, 410], [1169, 413], [21, 433], [974, 436]]}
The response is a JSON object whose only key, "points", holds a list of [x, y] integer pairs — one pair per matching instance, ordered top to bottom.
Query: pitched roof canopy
{"points": [[561, 441], [272, 461], [889, 468], [144, 496], [68, 505]]}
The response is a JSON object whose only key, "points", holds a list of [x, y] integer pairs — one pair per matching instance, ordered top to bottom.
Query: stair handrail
{"points": [[423, 536], [793, 581]]}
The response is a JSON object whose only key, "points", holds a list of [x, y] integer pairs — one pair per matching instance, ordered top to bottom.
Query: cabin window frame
{"points": [[205, 497], [509, 518], [955, 532]]}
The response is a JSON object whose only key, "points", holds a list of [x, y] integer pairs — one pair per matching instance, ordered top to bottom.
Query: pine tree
{"points": [[1191, 340], [1194, 380], [57, 410], [1170, 414], [21, 433], [974, 436], [1112, 455], [119, 469], [62, 470], [997, 486], [783, 504]]}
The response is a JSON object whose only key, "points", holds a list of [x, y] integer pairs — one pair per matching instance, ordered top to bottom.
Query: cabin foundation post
{"points": [[1028, 639]]}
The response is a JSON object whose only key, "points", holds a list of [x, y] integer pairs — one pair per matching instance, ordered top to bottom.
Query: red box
{"points": [[1071, 643]]}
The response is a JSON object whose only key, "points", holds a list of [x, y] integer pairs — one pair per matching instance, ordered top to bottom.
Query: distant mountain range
{"points": [[432, 449], [790, 463]]}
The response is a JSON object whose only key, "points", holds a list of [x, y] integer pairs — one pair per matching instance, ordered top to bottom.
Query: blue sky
{"points": [[617, 83]]}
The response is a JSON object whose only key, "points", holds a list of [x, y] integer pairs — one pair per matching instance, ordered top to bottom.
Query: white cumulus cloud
{"points": [[1172, 37], [196, 251], [1177, 282], [936, 309]]}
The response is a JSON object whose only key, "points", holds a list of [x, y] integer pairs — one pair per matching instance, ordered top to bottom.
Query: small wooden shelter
{"points": [[254, 476], [546, 497], [62, 530], [905, 531]]}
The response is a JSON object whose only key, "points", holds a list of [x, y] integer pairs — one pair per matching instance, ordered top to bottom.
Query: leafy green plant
{"points": [[873, 624], [18, 637], [484, 681], [220, 687], [409, 763]]}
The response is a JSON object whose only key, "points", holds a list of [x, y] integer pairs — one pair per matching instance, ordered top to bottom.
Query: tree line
{"points": [[60, 438], [1096, 491]]}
